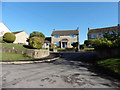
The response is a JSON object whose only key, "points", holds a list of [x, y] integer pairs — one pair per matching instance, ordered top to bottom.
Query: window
{"points": [[102, 34], [94, 35], [57, 36], [73, 36], [47, 44], [57, 44]]}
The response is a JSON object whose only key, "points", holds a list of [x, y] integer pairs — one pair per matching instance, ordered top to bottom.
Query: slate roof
{"points": [[104, 29], [17, 32], [65, 32], [47, 39]]}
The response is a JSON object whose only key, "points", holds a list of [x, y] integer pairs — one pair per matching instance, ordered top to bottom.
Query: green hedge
{"points": [[9, 37], [105, 43]]}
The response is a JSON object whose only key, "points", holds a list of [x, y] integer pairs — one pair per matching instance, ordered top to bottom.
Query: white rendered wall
{"points": [[3, 29]]}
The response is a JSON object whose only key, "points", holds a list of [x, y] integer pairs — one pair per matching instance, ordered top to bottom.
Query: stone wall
{"points": [[32, 53]]}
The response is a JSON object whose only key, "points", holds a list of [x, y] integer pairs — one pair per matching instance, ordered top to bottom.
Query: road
{"points": [[58, 74]]}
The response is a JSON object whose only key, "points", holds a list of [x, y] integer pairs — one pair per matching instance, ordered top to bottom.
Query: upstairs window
{"points": [[102, 34], [94, 35], [57, 36], [73, 36]]}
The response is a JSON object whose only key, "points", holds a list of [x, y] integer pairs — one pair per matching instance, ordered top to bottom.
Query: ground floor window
{"points": [[57, 44]]}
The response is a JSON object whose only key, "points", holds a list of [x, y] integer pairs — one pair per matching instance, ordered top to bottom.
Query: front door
{"points": [[64, 44]]}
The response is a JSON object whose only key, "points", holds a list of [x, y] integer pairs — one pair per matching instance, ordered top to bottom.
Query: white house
{"points": [[3, 29], [21, 37]]}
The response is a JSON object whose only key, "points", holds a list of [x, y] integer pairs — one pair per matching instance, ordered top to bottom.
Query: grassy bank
{"points": [[16, 46], [13, 56], [112, 64]]}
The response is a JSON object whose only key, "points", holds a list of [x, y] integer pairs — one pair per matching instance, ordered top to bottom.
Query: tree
{"points": [[37, 34], [9, 37], [36, 42]]}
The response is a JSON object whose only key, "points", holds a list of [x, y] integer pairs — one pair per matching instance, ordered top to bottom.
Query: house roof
{"points": [[103, 29], [17, 32], [65, 32]]}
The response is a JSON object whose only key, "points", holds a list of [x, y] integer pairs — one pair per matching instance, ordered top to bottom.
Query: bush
{"points": [[37, 34], [9, 37], [36, 42], [116, 42], [88, 43], [103, 43], [75, 44], [52, 45], [82, 46]]}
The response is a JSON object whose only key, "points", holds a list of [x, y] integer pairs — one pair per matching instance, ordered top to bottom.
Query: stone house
{"points": [[3, 29], [99, 32], [21, 37], [64, 38]]}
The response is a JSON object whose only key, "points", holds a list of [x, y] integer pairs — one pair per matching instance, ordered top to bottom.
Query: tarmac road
{"points": [[58, 74]]}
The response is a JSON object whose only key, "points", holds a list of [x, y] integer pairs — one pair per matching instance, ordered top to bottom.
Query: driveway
{"points": [[58, 74]]}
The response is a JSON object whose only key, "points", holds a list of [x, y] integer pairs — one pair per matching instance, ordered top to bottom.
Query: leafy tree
{"points": [[37, 34], [9, 37], [36, 42]]}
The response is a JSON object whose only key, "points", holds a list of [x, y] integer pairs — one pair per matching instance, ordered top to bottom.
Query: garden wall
{"points": [[32, 53], [108, 53]]}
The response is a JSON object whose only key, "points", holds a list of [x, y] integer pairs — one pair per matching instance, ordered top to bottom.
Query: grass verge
{"points": [[16, 46], [88, 48], [13, 56], [112, 64]]}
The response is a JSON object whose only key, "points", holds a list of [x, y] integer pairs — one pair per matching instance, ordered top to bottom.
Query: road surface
{"points": [[58, 74]]}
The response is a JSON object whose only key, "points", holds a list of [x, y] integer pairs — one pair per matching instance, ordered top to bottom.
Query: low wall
{"points": [[32, 53], [108, 53]]}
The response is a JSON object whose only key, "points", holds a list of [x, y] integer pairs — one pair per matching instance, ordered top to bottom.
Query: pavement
{"points": [[61, 73]]}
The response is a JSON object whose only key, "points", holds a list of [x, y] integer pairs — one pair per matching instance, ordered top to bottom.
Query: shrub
{"points": [[37, 34], [9, 37], [36, 42], [116, 42], [88, 43], [103, 43], [75, 44], [52, 45], [82, 46]]}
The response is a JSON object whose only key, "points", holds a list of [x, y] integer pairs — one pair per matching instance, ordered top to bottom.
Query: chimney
{"points": [[77, 28], [88, 29]]}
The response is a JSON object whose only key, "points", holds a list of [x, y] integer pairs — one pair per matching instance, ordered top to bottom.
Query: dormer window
{"points": [[56, 36], [73, 36]]}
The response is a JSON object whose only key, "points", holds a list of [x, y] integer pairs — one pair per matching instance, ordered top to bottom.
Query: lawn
{"points": [[16, 46], [88, 48], [13, 56], [112, 64]]}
